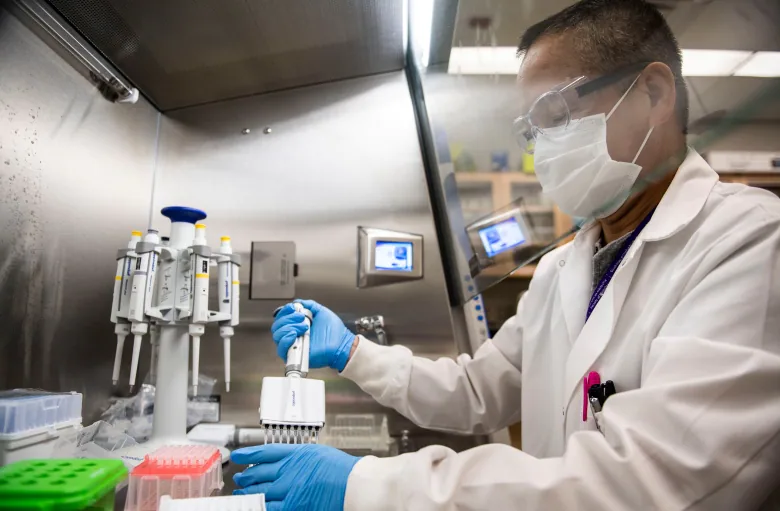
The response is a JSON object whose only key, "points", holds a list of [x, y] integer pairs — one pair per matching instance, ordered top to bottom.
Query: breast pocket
{"points": [[597, 421], [594, 422]]}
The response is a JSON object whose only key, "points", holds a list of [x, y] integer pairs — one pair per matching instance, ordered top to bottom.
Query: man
{"points": [[672, 293]]}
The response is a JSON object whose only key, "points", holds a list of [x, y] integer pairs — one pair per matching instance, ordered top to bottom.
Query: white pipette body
{"points": [[124, 272], [228, 287], [140, 296], [200, 297]]}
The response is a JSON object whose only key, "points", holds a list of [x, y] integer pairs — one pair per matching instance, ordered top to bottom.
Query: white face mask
{"points": [[575, 170]]}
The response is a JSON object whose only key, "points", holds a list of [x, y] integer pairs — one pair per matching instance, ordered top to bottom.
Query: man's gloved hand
{"points": [[330, 341], [295, 477]]}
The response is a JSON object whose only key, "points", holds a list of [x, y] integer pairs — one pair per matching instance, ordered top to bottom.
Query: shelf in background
{"points": [[495, 177], [751, 178], [502, 188], [532, 208], [537, 208], [525, 272]]}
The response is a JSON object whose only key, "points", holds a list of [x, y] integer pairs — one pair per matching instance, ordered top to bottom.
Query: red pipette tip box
{"points": [[181, 471]]}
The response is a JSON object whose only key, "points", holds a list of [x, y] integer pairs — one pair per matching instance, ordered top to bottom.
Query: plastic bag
{"points": [[134, 415], [98, 440]]}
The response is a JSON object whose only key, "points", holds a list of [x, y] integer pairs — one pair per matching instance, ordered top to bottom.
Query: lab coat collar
{"points": [[684, 199], [681, 203]]}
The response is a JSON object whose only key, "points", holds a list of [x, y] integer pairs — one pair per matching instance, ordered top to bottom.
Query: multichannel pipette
{"points": [[292, 408]]}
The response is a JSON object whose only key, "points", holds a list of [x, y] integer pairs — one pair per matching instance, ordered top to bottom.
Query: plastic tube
{"points": [[134, 362]]}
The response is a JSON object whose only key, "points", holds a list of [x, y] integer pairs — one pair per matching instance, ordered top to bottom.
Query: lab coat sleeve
{"points": [[467, 395], [700, 433]]}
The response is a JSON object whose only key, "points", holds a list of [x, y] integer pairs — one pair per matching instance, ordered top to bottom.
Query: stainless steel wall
{"points": [[339, 155], [76, 175], [75, 179]]}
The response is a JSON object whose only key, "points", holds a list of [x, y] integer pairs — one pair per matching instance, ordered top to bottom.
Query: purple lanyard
{"points": [[605, 280]]}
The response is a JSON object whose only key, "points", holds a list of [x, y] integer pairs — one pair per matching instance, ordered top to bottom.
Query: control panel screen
{"points": [[501, 237], [393, 255]]}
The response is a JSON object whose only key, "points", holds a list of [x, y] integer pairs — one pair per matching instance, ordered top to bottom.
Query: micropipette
{"points": [[125, 260], [228, 287], [141, 295], [200, 297]]}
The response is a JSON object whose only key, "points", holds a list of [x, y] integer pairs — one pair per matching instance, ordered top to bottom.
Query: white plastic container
{"points": [[26, 411], [31, 421], [357, 432], [35, 445], [231, 503]]}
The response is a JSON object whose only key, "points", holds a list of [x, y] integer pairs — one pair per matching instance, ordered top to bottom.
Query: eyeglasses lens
{"points": [[551, 111]]}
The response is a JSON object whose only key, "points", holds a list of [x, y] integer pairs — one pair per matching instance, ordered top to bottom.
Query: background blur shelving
{"points": [[767, 180], [491, 190], [483, 192]]}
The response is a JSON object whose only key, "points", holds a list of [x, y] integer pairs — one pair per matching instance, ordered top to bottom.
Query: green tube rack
{"points": [[60, 484]]}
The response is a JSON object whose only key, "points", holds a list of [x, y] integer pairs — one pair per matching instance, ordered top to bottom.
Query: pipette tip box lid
{"points": [[24, 411], [180, 471], [60, 484], [254, 502]]}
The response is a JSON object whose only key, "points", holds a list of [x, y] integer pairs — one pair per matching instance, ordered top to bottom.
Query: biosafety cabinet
{"points": [[301, 131]]}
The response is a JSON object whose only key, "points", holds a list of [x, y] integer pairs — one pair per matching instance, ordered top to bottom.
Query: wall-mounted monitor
{"points": [[387, 257]]}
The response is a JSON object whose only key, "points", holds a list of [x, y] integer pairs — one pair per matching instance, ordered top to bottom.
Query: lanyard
{"points": [[605, 280]]}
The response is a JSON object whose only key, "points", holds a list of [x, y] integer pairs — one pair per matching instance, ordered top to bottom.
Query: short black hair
{"points": [[610, 34]]}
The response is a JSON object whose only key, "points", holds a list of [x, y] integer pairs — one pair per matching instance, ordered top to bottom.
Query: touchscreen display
{"points": [[393, 255]]}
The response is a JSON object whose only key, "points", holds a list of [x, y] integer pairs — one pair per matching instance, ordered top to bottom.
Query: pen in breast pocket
{"points": [[593, 378], [595, 407]]}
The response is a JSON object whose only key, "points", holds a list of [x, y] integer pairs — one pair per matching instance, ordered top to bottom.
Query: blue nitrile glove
{"points": [[329, 342], [295, 476]]}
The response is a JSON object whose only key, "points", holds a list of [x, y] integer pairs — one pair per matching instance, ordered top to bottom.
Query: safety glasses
{"points": [[557, 107]]}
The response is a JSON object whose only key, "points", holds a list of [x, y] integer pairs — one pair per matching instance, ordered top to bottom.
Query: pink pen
{"points": [[593, 378]]}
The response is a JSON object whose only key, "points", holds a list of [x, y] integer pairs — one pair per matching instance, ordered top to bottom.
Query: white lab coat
{"points": [[689, 331]]}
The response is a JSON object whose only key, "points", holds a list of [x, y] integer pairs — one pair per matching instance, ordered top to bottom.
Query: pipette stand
{"points": [[171, 309]]}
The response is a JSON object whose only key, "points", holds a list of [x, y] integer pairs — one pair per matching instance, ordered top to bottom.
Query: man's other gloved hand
{"points": [[295, 477]]}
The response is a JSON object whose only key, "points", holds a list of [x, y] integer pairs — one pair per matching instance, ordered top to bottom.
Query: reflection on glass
{"points": [[473, 98], [501, 237]]}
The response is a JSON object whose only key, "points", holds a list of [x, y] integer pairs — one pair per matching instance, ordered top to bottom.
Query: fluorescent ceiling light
{"points": [[405, 23], [421, 26], [484, 60], [489, 60], [712, 62], [764, 64]]}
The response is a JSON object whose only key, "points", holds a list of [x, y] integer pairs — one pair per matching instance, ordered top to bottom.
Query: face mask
{"points": [[575, 170]]}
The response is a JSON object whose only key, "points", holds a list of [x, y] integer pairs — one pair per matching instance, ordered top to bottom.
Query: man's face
{"points": [[550, 63]]}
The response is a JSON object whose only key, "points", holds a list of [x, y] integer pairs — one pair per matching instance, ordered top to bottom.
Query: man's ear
{"points": [[658, 81]]}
